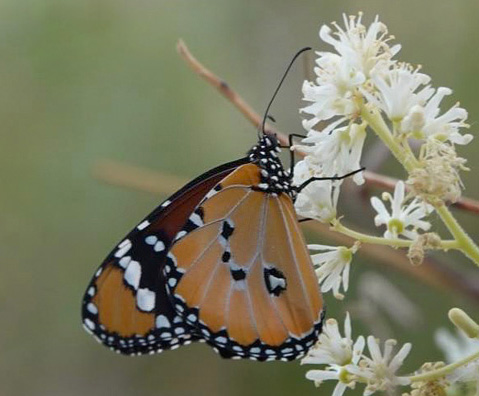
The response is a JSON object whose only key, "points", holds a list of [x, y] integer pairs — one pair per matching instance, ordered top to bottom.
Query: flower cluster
{"points": [[360, 77], [360, 86], [348, 363]]}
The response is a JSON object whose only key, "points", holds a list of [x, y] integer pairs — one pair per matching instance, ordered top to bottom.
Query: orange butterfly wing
{"points": [[244, 277], [126, 306]]}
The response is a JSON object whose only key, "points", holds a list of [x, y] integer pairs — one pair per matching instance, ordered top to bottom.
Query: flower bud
{"points": [[464, 322]]}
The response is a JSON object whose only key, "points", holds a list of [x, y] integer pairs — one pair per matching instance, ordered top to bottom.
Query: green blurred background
{"points": [[86, 80]]}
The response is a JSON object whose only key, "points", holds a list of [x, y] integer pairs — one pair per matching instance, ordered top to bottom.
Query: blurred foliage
{"points": [[84, 80]]}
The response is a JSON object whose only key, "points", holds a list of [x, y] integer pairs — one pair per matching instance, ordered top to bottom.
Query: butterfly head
{"points": [[274, 179]]}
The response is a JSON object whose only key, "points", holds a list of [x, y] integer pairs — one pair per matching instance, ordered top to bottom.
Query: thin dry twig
{"points": [[223, 87], [135, 178], [372, 179], [158, 183], [388, 183]]}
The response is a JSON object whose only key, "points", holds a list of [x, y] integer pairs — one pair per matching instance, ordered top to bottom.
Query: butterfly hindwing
{"points": [[244, 276], [126, 306]]}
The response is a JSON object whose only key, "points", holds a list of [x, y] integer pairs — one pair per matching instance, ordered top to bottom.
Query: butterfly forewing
{"points": [[244, 276], [126, 306]]}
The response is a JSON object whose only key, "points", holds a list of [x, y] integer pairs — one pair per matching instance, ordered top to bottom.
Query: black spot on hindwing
{"points": [[238, 274]]}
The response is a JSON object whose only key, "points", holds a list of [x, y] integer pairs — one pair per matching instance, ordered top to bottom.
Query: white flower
{"points": [[363, 47], [339, 75], [396, 90], [334, 93], [425, 121], [337, 151], [319, 199], [404, 219], [333, 267], [457, 347], [338, 353], [380, 369]]}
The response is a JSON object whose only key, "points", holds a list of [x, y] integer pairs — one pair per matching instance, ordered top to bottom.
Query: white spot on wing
{"points": [[210, 194], [165, 204], [195, 218], [143, 225], [180, 235], [151, 240], [159, 246], [123, 248], [124, 261], [133, 274], [275, 282], [239, 285], [91, 291], [145, 299], [92, 308], [162, 321], [89, 324], [165, 335]]}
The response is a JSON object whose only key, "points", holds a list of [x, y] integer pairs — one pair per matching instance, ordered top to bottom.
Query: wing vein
{"points": [[262, 228], [217, 235], [293, 253], [269, 295]]}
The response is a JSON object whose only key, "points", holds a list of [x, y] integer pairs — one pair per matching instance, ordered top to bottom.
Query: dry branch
{"points": [[372, 179]]}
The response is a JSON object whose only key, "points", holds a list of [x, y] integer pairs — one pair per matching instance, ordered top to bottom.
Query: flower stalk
{"points": [[377, 124], [406, 158], [394, 242], [445, 370]]}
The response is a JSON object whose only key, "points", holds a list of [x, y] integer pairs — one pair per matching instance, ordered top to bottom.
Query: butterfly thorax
{"points": [[274, 179]]}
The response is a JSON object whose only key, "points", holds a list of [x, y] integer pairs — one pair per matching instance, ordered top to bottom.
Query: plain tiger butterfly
{"points": [[223, 261]]}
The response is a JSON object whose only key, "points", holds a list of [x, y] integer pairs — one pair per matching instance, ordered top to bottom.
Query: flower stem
{"points": [[376, 122], [406, 158], [365, 238], [465, 243], [441, 372]]}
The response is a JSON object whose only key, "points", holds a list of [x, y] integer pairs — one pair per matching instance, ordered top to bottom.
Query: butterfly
{"points": [[222, 261]]}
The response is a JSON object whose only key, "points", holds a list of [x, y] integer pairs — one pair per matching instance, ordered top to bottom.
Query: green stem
{"points": [[376, 122], [406, 158], [365, 238], [465, 243], [441, 372]]}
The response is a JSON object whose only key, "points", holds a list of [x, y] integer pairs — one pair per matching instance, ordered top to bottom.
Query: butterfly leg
{"points": [[291, 136], [309, 181]]}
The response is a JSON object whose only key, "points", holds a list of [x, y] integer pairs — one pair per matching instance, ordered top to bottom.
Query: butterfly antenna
{"points": [[281, 83]]}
